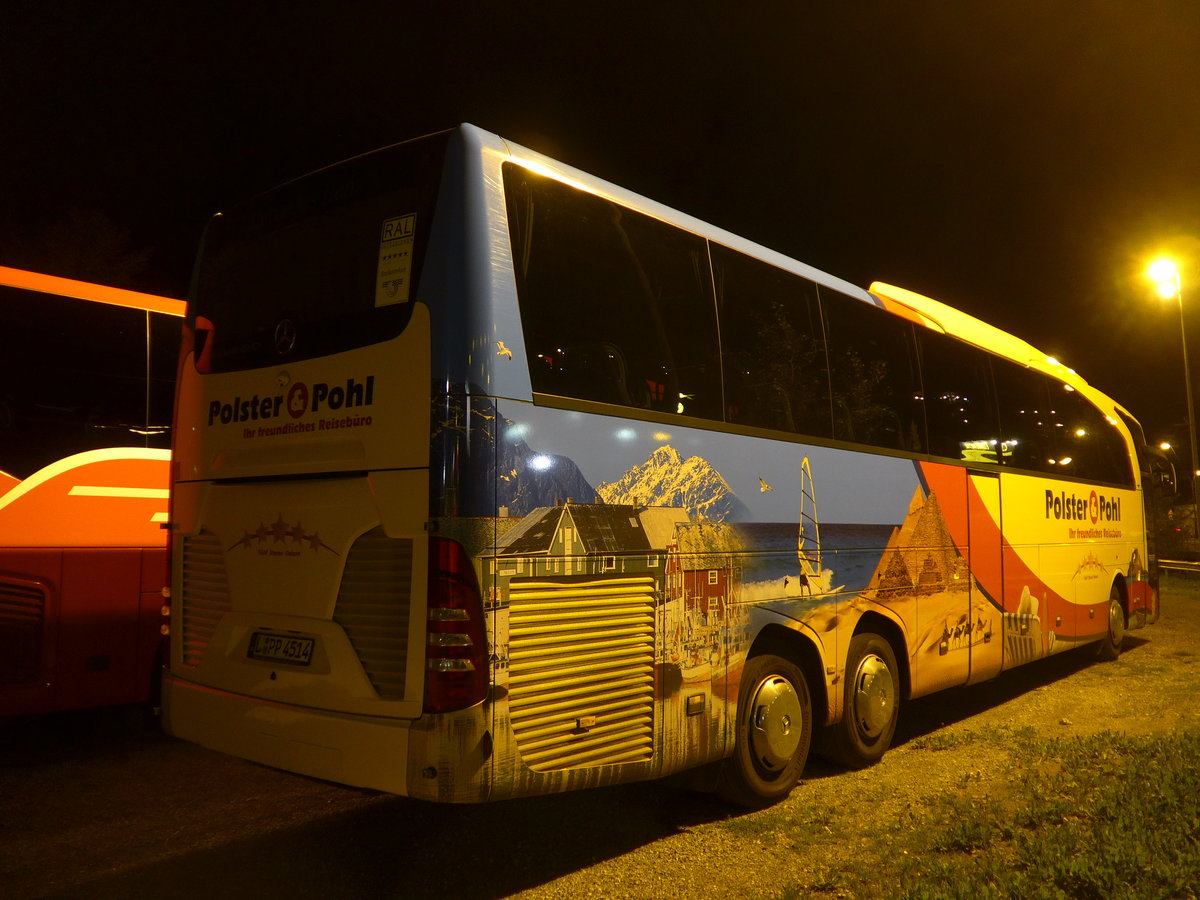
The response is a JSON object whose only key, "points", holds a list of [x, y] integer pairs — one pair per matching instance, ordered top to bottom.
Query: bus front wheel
{"points": [[870, 707], [774, 730]]}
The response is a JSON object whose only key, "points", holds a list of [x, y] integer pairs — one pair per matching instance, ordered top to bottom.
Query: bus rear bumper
{"points": [[359, 751]]}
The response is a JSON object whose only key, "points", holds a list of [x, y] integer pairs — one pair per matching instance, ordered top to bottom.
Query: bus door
{"points": [[937, 545], [987, 567]]}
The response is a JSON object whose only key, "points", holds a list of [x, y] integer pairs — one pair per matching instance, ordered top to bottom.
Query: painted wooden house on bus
{"points": [[589, 539]]}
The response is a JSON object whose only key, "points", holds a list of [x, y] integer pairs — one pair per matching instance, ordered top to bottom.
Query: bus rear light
{"points": [[448, 615], [450, 640], [450, 665], [456, 670]]}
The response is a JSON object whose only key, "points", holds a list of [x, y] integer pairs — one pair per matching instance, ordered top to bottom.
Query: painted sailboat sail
{"points": [[808, 544], [806, 578], [814, 578]]}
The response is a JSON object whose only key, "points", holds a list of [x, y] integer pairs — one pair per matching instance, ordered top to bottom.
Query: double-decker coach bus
{"points": [[86, 385], [494, 479]]}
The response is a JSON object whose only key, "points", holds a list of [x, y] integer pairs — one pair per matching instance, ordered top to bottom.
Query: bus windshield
{"points": [[80, 376]]}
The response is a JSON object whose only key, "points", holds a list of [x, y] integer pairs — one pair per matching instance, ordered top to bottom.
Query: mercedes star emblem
{"points": [[285, 337]]}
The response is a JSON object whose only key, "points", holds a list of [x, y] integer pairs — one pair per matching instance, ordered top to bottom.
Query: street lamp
{"points": [[1165, 275]]}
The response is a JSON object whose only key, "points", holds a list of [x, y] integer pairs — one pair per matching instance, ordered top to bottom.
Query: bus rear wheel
{"points": [[1114, 635], [871, 705], [774, 731]]}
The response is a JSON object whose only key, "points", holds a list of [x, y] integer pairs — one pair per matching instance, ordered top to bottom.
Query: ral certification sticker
{"points": [[394, 274]]}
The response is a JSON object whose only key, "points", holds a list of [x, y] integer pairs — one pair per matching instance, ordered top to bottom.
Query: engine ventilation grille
{"points": [[206, 595], [373, 608], [22, 612], [581, 671]]}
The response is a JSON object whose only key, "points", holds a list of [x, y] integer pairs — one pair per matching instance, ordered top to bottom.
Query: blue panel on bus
{"points": [[754, 527]]}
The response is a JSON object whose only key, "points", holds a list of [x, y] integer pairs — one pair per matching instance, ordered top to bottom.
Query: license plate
{"points": [[295, 651]]}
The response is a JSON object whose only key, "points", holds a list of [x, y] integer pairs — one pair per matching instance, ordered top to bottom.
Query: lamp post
{"points": [[1165, 274]]}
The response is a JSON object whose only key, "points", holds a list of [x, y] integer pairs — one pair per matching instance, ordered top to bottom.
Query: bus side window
{"points": [[616, 306], [776, 372], [874, 378], [960, 407], [1028, 418], [1088, 445]]}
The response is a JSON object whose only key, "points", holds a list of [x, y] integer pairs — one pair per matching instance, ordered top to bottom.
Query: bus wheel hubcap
{"points": [[1116, 621], [873, 699], [778, 722]]}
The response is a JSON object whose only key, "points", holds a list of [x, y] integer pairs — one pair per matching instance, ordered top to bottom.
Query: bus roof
{"points": [[966, 327]]}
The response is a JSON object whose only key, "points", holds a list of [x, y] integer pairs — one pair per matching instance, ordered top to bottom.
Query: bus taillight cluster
{"points": [[456, 658]]}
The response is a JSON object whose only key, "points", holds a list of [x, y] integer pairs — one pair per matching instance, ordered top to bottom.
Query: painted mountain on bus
{"points": [[521, 478], [527, 479], [667, 480]]}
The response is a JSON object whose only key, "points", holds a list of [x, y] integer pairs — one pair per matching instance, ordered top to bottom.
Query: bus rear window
{"points": [[324, 264]]}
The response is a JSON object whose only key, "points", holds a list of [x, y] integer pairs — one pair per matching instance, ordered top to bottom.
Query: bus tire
{"points": [[1109, 648], [871, 704], [774, 732]]}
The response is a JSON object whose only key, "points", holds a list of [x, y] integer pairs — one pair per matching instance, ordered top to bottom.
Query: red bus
{"points": [[86, 386]]}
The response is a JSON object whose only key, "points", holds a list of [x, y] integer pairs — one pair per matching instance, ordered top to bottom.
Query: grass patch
{"points": [[943, 740], [1104, 816], [1098, 817], [826, 881]]}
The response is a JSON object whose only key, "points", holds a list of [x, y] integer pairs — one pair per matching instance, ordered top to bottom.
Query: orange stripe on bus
{"points": [[83, 290], [92, 490]]}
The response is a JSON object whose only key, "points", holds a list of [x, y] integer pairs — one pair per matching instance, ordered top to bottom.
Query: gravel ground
{"points": [[945, 744], [100, 804]]}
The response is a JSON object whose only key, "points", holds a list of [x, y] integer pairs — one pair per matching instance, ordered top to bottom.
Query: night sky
{"points": [[1020, 159]]}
